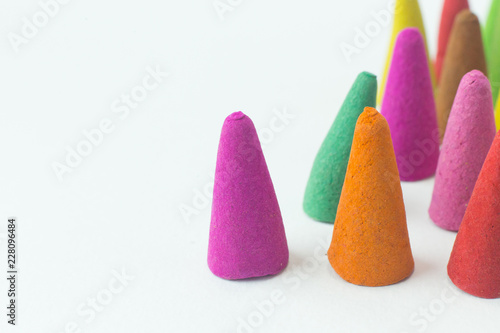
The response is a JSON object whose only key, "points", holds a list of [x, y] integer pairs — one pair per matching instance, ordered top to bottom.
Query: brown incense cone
{"points": [[465, 53]]}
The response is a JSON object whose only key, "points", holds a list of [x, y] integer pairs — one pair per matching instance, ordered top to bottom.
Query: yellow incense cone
{"points": [[497, 114]]}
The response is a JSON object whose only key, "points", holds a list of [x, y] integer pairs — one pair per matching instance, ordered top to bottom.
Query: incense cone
{"points": [[451, 8], [406, 15], [492, 47], [464, 53], [410, 110], [497, 114], [468, 138], [328, 172], [247, 237], [370, 244], [474, 264]]}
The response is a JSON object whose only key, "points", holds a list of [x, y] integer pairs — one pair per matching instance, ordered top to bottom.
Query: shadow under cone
{"points": [[410, 109], [468, 138], [327, 175], [247, 237], [370, 244], [474, 264]]}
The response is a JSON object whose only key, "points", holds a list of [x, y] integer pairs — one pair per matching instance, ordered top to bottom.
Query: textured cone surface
{"points": [[451, 8], [406, 15], [492, 47], [465, 52], [410, 109], [497, 114], [468, 138], [327, 175], [247, 237], [370, 244], [474, 264]]}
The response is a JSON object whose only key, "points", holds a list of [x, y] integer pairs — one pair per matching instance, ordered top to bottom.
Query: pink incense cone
{"points": [[409, 108], [467, 140], [247, 237]]}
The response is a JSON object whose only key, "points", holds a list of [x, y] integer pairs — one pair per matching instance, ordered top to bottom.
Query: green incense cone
{"points": [[492, 47], [328, 172]]}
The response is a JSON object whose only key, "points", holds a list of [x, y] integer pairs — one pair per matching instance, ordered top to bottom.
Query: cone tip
{"points": [[403, 5], [466, 16], [410, 33], [410, 39], [367, 75], [475, 76], [369, 115], [236, 116]]}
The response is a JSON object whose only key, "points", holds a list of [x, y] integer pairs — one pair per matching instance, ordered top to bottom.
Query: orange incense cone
{"points": [[465, 52], [370, 244]]}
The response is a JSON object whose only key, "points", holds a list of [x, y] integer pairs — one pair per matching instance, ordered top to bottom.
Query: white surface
{"points": [[119, 209]]}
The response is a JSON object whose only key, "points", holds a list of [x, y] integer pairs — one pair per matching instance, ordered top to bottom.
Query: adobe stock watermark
{"points": [[223, 7], [30, 27], [364, 36], [94, 137], [203, 195], [292, 277], [97, 303], [428, 314]]}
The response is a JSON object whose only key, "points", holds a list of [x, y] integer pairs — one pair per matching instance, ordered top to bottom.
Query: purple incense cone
{"points": [[409, 108], [467, 140], [247, 237]]}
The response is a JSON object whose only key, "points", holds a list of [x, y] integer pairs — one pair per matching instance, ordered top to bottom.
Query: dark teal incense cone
{"points": [[328, 172]]}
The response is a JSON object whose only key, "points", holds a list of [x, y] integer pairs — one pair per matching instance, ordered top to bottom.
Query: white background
{"points": [[120, 208]]}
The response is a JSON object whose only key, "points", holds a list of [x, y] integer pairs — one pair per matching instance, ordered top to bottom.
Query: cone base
{"points": [[417, 178], [313, 214], [440, 221], [442, 224], [242, 275], [371, 281], [471, 288]]}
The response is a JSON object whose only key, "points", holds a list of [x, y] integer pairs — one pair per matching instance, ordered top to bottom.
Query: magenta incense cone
{"points": [[409, 108], [467, 140], [247, 237]]}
